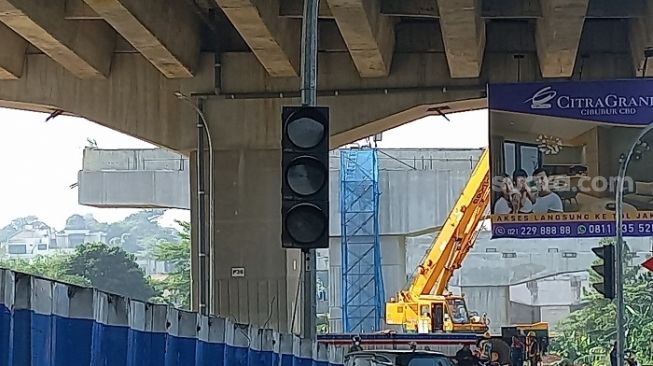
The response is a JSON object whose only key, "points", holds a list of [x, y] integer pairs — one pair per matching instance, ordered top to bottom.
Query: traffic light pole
{"points": [[309, 98], [619, 249]]}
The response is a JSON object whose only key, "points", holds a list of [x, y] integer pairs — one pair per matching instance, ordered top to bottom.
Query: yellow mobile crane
{"points": [[425, 306]]}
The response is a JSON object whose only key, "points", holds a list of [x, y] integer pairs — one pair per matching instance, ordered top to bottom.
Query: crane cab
{"points": [[435, 314]]}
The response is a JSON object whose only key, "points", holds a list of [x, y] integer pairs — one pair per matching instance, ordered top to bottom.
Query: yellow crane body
{"points": [[425, 306]]}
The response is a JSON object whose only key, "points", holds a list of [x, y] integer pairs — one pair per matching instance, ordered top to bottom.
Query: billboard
{"points": [[555, 149]]}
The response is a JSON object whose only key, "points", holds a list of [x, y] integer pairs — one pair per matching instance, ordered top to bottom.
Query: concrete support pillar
{"points": [[247, 223], [495, 301]]}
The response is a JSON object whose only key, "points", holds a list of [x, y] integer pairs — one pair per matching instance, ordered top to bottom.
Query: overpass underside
{"points": [[382, 63]]}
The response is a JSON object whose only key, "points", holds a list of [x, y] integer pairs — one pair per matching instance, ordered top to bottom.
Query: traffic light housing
{"points": [[305, 177], [605, 270]]}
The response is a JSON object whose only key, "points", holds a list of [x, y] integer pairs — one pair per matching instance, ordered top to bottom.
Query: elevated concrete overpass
{"points": [[382, 63], [512, 280]]}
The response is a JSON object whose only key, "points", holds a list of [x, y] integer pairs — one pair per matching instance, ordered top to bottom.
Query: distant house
{"points": [[77, 233], [69, 238], [29, 242]]}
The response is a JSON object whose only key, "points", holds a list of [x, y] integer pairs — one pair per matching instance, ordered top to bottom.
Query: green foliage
{"points": [[139, 231], [54, 267], [106, 268], [110, 269], [175, 287], [322, 324], [586, 335]]}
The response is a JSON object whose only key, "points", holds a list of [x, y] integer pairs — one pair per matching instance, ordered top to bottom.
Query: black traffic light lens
{"points": [[305, 133], [306, 176], [305, 223]]}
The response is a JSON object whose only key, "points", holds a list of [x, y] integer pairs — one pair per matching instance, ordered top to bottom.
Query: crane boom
{"points": [[457, 235], [446, 254]]}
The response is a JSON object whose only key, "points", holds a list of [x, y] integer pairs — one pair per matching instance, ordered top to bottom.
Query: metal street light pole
{"points": [[309, 98], [619, 248], [205, 254]]}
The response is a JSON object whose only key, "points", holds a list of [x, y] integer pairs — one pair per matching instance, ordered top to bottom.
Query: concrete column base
{"points": [[254, 279]]}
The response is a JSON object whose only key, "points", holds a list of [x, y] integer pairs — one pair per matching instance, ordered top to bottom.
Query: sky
{"points": [[40, 160]]}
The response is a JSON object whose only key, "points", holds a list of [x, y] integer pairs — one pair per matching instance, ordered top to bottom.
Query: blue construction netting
{"points": [[362, 280]]}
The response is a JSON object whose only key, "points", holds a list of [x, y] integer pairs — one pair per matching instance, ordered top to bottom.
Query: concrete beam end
{"points": [[167, 35]]}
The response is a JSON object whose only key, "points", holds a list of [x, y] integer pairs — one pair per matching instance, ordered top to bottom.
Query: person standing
{"points": [[485, 346], [532, 349], [516, 352], [465, 357]]}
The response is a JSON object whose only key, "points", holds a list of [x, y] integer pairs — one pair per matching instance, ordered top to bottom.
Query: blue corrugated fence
{"points": [[45, 323]]}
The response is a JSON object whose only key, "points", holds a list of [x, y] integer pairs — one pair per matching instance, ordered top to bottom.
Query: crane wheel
{"points": [[500, 351]]}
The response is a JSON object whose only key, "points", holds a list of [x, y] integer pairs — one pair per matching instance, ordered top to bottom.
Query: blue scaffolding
{"points": [[362, 280]]}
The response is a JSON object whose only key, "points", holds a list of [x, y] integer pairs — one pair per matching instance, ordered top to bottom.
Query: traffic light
{"points": [[305, 182], [605, 270]]}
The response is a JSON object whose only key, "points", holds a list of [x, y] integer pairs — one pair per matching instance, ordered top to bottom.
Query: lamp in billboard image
{"points": [[549, 144], [569, 154]]}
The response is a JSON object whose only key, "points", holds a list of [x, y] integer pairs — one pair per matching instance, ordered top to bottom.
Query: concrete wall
{"points": [[417, 187], [515, 261], [495, 301], [523, 313], [45, 322]]}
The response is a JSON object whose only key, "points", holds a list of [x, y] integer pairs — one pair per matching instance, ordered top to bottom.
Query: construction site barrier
{"points": [[44, 322], [447, 343]]}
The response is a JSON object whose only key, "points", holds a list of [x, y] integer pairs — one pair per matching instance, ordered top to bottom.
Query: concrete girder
{"points": [[295, 8], [412, 8], [512, 9], [78, 10], [166, 33], [463, 34], [369, 36], [557, 36], [641, 38], [274, 40], [84, 48], [12, 57], [419, 82], [135, 99]]}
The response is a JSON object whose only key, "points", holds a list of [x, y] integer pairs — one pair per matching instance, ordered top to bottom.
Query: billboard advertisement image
{"points": [[555, 151]]}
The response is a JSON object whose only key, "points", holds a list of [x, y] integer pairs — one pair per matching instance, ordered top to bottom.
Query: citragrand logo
{"points": [[541, 98], [592, 105]]}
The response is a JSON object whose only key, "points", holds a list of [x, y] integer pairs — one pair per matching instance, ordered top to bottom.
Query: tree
{"points": [[137, 230], [54, 267], [110, 269], [175, 287], [586, 335]]}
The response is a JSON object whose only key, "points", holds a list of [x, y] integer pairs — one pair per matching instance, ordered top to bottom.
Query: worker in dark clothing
{"points": [[545, 345], [356, 346], [485, 347], [532, 349], [516, 352], [613, 354], [465, 357]]}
